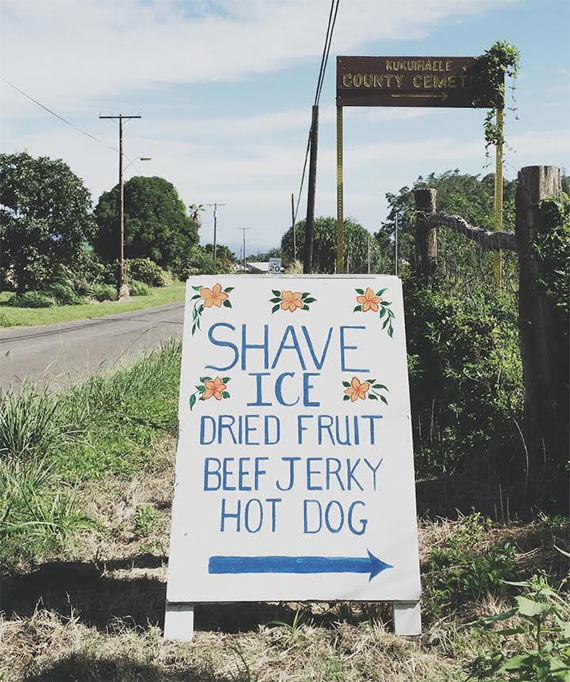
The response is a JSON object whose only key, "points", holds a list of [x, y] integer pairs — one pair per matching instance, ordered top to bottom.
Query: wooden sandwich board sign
{"points": [[294, 467]]}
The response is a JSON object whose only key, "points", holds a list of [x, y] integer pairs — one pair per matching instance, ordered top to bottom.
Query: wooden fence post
{"points": [[426, 236], [546, 420]]}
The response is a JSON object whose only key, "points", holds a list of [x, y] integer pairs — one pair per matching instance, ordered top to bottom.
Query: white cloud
{"points": [[67, 51]]}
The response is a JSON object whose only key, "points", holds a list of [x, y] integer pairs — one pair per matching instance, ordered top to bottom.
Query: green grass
{"points": [[27, 317], [51, 442]]}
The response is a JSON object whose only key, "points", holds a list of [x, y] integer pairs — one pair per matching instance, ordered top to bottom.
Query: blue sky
{"points": [[225, 91]]}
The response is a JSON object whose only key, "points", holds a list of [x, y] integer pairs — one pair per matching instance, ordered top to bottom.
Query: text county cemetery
{"points": [[294, 472]]}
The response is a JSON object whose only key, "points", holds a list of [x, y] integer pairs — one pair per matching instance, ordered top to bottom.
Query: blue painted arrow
{"points": [[297, 564]]}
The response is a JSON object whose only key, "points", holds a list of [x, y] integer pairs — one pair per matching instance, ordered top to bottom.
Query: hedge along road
{"points": [[61, 354]]}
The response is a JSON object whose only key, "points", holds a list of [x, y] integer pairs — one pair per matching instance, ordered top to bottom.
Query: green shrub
{"points": [[200, 262], [146, 271], [139, 288], [103, 292], [64, 294], [32, 299], [465, 378], [459, 571]]}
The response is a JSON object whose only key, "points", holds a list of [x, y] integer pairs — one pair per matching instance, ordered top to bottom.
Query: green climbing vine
{"points": [[502, 59], [551, 246]]}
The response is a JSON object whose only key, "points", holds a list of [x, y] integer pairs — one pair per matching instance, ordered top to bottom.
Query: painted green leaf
{"points": [[197, 288], [227, 290], [360, 291], [276, 293], [379, 293], [305, 294], [195, 297], [275, 300], [310, 300], [386, 303], [227, 304], [305, 307], [275, 309], [357, 309], [382, 312], [385, 323], [391, 332], [225, 380], [370, 381], [346, 384], [380, 386], [201, 389], [225, 394], [371, 396], [346, 397], [383, 399], [192, 400]]}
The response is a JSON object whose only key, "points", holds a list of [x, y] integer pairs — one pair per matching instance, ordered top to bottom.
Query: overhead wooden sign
{"points": [[411, 82], [294, 469]]}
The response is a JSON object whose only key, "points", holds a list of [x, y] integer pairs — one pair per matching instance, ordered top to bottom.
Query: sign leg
{"points": [[407, 618], [179, 622]]}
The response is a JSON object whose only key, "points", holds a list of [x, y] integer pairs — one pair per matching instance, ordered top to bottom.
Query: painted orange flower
{"points": [[213, 296], [291, 301], [369, 301], [214, 388], [357, 390]]}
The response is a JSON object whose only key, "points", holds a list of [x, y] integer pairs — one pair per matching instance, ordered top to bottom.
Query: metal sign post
{"points": [[455, 82], [339, 195]]}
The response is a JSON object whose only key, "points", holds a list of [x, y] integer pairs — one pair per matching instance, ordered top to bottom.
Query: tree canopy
{"points": [[471, 197], [45, 210], [156, 224], [357, 242]]}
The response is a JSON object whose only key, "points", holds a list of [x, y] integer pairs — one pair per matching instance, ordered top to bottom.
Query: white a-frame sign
{"points": [[294, 470]]}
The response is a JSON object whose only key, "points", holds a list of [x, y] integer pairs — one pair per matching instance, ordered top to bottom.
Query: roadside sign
{"points": [[411, 82], [275, 266], [294, 469]]}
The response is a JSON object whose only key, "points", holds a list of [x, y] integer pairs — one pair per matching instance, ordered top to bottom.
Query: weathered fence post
{"points": [[426, 236], [546, 420]]}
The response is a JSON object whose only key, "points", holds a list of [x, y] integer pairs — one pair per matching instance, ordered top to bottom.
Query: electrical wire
{"points": [[320, 81], [53, 113], [69, 123]]}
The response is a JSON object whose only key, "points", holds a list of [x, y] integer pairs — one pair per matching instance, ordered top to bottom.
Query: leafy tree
{"points": [[471, 197], [45, 211], [156, 224], [357, 242], [222, 251], [264, 256], [198, 261]]}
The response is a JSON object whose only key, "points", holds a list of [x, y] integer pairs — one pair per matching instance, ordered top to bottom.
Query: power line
{"points": [[326, 49], [320, 80], [53, 113]]}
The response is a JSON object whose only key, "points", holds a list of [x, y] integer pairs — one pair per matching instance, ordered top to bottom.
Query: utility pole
{"points": [[310, 222], [293, 225], [215, 227], [244, 229], [122, 287]]}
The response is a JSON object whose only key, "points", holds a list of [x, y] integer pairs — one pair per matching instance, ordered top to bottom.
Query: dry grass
{"points": [[100, 617], [49, 646]]}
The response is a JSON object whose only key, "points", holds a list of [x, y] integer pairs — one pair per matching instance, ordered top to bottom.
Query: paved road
{"points": [[60, 354]]}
